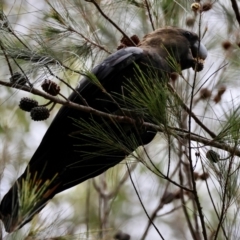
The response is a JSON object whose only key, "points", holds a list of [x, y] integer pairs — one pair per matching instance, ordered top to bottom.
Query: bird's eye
{"points": [[188, 34]]}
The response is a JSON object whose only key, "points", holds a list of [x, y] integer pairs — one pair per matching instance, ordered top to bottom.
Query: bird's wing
{"points": [[106, 73]]}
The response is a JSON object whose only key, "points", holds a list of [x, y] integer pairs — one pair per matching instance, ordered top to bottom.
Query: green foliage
{"points": [[69, 37], [148, 96], [106, 139], [31, 193]]}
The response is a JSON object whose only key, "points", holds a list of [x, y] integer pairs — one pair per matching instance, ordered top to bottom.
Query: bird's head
{"points": [[182, 46]]}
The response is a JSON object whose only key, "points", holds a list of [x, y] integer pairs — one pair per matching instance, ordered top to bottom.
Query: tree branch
{"points": [[236, 10], [149, 14], [111, 21], [191, 114], [176, 132]]}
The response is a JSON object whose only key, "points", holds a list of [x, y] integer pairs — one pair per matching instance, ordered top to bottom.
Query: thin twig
{"points": [[236, 10], [149, 14], [110, 20], [16, 36], [88, 40], [7, 59], [9, 65], [215, 72], [29, 83], [68, 85], [62, 96], [191, 114], [169, 154], [161, 175], [121, 182], [195, 192], [139, 198], [212, 201], [160, 205], [224, 207], [87, 210], [169, 212], [150, 220], [189, 223]]}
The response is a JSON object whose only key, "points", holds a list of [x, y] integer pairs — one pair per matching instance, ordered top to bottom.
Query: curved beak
{"points": [[199, 50]]}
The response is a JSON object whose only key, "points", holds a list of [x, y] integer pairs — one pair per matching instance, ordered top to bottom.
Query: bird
{"points": [[68, 154]]}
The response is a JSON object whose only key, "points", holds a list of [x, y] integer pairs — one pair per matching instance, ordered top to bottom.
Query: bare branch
{"points": [[236, 10], [149, 14], [111, 21], [143, 206]]}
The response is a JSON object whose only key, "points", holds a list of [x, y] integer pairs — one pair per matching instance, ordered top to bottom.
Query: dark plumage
{"points": [[60, 156]]}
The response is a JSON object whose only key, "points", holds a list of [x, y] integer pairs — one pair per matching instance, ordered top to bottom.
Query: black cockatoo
{"points": [[60, 162]]}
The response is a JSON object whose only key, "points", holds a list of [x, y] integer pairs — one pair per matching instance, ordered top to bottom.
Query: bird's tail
{"points": [[26, 198]]}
